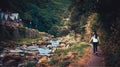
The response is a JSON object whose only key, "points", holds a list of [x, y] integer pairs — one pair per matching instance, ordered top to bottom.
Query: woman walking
{"points": [[95, 40]]}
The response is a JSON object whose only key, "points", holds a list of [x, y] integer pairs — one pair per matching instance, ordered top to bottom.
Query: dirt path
{"points": [[90, 60], [96, 60]]}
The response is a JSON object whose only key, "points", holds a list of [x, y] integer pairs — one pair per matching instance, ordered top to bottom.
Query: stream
{"points": [[27, 53]]}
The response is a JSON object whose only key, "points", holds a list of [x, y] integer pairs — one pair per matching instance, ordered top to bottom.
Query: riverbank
{"points": [[63, 55]]}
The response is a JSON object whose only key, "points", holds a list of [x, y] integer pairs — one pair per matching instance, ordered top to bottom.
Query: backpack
{"points": [[94, 39]]}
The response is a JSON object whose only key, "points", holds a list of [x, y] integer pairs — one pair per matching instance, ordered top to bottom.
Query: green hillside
{"points": [[44, 15]]}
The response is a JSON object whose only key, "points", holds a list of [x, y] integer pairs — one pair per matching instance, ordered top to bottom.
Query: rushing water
{"points": [[29, 52]]}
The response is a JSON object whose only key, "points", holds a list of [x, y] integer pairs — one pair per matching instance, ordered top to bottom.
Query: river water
{"points": [[27, 53]]}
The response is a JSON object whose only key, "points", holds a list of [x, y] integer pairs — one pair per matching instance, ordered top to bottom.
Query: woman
{"points": [[95, 40]]}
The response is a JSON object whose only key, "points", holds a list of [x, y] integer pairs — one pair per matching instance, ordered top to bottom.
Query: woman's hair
{"points": [[95, 34]]}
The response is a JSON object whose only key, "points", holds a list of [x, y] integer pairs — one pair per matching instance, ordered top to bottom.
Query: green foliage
{"points": [[80, 10], [43, 14], [27, 16], [110, 20], [106, 21], [95, 23], [78, 26], [10, 30], [54, 30], [22, 31], [6, 32], [64, 32], [20, 41], [74, 47], [77, 49], [52, 61], [30, 64]]}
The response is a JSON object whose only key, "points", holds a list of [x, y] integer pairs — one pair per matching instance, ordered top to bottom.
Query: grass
{"points": [[24, 40], [28, 40], [16, 41], [21, 41], [77, 49], [30, 65]]}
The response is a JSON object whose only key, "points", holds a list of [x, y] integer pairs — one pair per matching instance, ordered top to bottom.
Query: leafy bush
{"points": [[22, 31], [6, 32]]}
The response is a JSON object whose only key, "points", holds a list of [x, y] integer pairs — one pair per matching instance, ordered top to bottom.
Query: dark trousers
{"points": [[95, 44]]}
